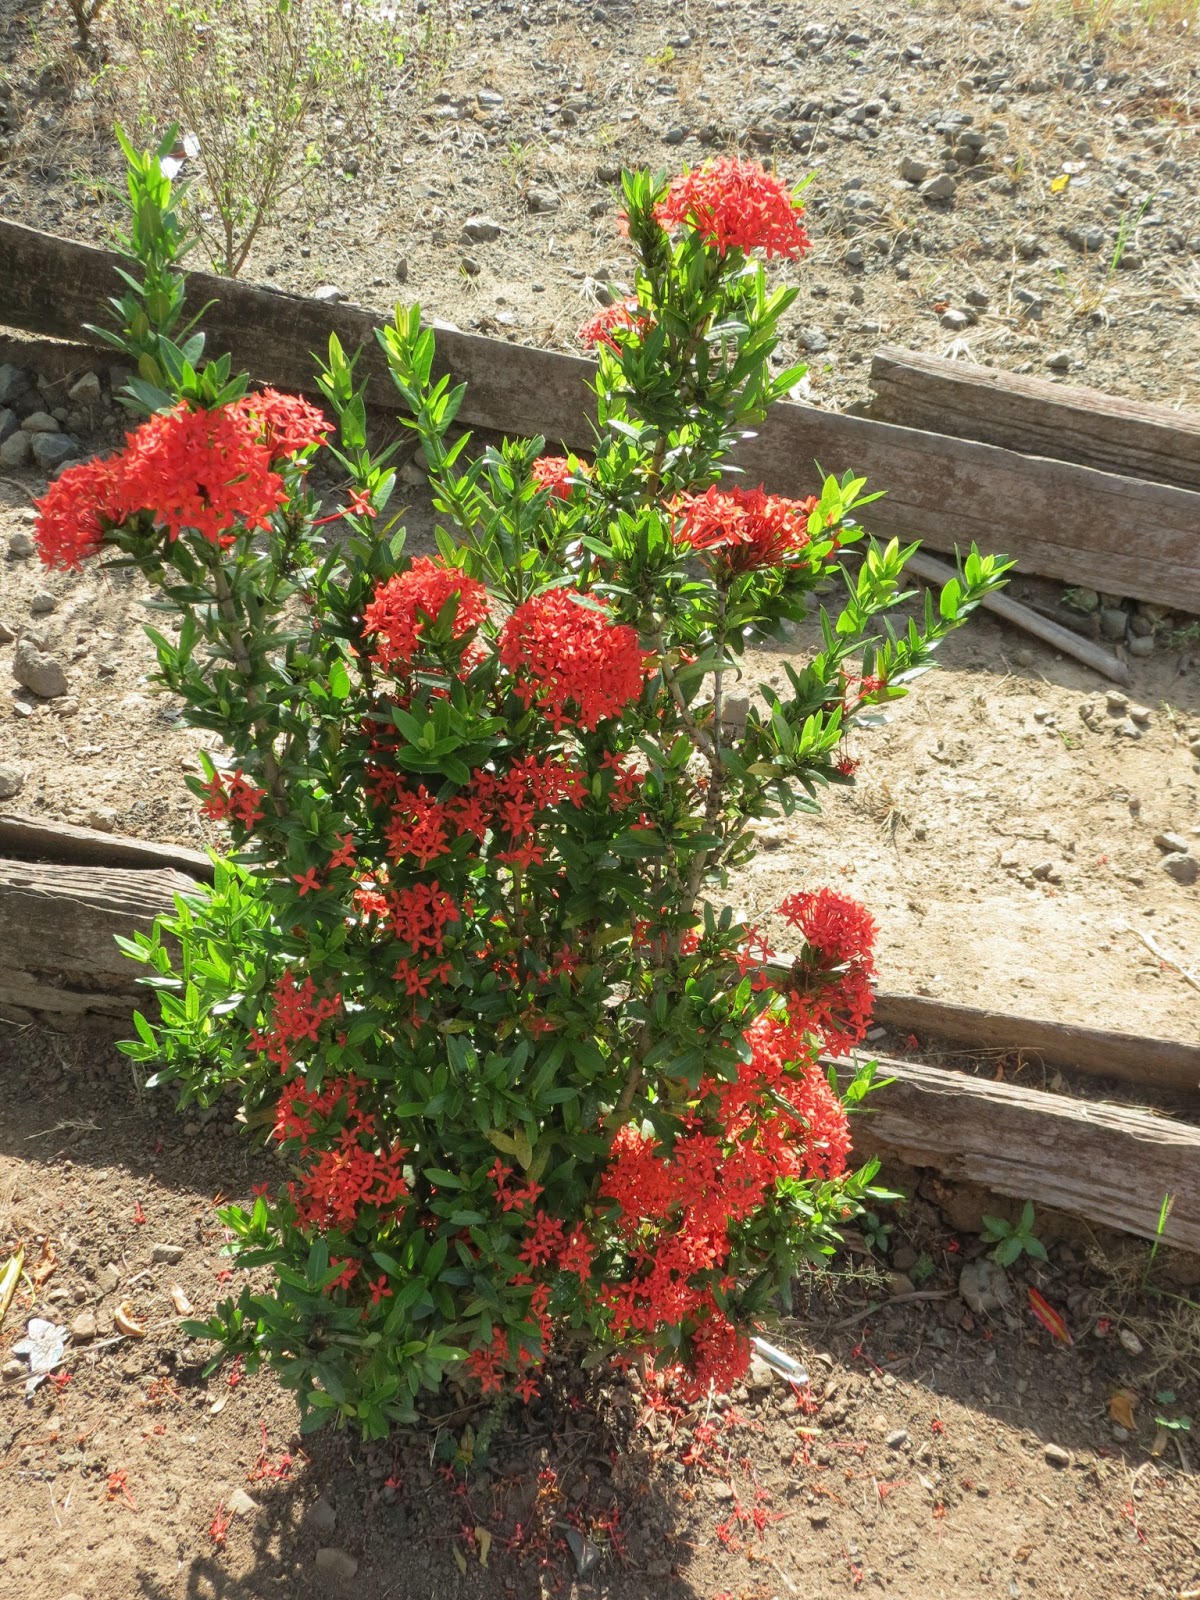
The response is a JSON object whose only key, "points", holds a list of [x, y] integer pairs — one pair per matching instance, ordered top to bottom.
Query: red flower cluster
{"points": [[735, 205], [605, 325], [282, 423], [209, 471], [554, 475], [77, 510], [743, 529], [405, 606], [565, 653], [233, 797], [508, 804], [832, 995], [296, 1016], [338, 1181]]}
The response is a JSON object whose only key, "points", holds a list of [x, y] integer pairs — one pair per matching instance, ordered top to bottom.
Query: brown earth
{"points": [[915, 1465]]}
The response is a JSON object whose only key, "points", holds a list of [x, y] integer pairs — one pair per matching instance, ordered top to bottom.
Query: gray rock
{"points": [[489, 99], [913, 169], [943, 187], [542, 201], [480, 230], [1087, 240], [1029, 246], [855, 257], [470, 266], [402, 270], [329, 294], [979, 298], [956, 321], [814, 340], [1060, 361], [14, 381], [86, 391], [40, 422], [8, 424], [49, 449], [15, 451], [43, 603], [1113, 622], [1143, 646], [38, 671], [1116, 701], [11, 779], [1172, 844], [1183, 868], [170, 1253], [108, 1278], [984, 1286], [83, 1329], [11, 1370], [761, 1374], [896, 1439], [1056, 1455], [241, 1503], [321, 1516], [587, 1555], [335, 1563]]}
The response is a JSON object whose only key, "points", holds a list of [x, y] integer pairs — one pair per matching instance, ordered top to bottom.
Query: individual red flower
{"points": [[736, 205], [606, 324], [283, 423], [202, 470], [554, 475], [76, 510], [741, 530], [407, 605], [565, 654], [417, 827]]}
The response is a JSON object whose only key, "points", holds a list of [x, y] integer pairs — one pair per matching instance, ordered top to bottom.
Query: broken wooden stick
{"points": [[1052, 633]]}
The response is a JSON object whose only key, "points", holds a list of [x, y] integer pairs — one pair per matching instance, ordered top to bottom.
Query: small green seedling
{"points": [[1012, 1240], [1166, 1397]]}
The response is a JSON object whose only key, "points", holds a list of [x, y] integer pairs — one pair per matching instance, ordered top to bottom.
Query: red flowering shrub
{"points": [[602, 329], [471, 971]]}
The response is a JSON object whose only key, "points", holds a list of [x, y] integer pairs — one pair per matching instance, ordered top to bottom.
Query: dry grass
{"points": [[1096, 17]]}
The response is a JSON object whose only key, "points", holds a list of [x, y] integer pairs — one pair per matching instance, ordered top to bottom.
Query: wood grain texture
{"points": [[1036, 416], [1073, 523], [45, 839], [58, 958], [1154, 1063], [1107, 1163]]}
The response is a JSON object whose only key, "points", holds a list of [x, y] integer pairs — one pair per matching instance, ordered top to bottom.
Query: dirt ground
{"points": [[1068, 128], [935, 1455]]}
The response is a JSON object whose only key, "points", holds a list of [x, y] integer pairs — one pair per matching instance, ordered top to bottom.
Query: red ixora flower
{"points": [[736, 205], [601, 328], [283, 423], [206, 470], [554, 474], [73, 514], [741, 530], [407, 605], [566, 654], [840, 929]]}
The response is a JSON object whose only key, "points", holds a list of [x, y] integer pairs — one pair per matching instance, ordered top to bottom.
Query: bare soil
{"points": [[914, 1464]]}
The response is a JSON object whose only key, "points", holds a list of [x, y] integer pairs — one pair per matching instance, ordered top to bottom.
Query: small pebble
{"points": [[1057, 1456]]}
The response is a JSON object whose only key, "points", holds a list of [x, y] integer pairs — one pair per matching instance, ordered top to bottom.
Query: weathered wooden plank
{"points": [[1036, 416], [1074, 523], [45, 839], [58, 958], [1154, 1063], [1110, 1164]]}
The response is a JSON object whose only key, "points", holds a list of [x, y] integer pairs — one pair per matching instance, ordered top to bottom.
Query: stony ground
{"points": [[1017, 182]]}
